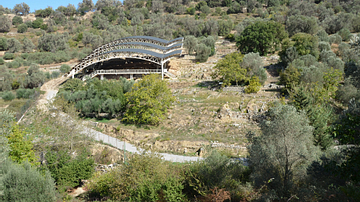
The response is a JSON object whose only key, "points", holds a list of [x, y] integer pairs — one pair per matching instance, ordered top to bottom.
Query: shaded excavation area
{"points": [[128, 68]]}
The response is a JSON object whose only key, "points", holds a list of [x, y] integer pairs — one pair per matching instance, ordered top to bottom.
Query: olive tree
{"points": [[85, 6], [22, 9], [70, 10], [17, 20], [300, 23], [5, 24], [22, 28], [261, 37], [53, 42], [190, 43], [3, 44], [14, 45], [28, 45], [202, 52], [254, 66], [35, 77], [7, 78], [281, 154]]}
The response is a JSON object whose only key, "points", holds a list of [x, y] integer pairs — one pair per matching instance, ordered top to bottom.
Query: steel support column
{"points": [[162, 70]]}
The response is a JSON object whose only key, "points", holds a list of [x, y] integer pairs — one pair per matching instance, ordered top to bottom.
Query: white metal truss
{"points": [[109, 51]]}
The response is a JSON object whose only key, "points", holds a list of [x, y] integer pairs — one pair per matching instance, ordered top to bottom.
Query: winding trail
{"points": [[51, 88]]}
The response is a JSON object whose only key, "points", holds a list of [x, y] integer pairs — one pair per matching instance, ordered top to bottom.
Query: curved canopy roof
{"points": [[154, 39], [150, 45], [152, 53]]}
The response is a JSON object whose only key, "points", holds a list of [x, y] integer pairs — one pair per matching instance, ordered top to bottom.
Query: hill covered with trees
{"points": [[306, 147]]}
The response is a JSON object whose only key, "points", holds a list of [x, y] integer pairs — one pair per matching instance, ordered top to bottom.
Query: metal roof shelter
{"points": [[148, 48]]}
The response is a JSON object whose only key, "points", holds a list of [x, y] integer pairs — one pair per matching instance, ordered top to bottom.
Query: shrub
{"points": [[191, 10], [17, 20], [37, 23], [5, 24], [345, 34], [323, 36], [261, 37], [335, 38], [53, 42], [3, 44], [14, 45], [28, 45], [324, 46], [342, 48], [202, 52], [25, 55], [9, 56], [2, 61], [13, 64], [254, 66], [65, 68], [55, 74], [35, 77], [254, 85], [347, 92], [24, 93], [8, 96], [148, 101], [69, 172], [146, 177], [25, 183]]}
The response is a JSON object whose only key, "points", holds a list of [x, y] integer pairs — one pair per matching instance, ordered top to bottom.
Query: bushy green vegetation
{"points": [[97, 96], [148, 101], [292, 157], [68, 171]]}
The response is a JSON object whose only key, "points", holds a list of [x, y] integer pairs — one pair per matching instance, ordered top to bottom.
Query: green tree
{"points": [[85, 6], [22, 9], [17, 20], [37, 23], [300, 23], [5, 24], [22, 28], [261, 37], [190, 43], [3, 44], [306, 44], [14, 45], [28, 45], [202, 52], [254, 66], [65, 68], [229, 70], [35, 77], [290, 77], [254, 85], [148, 101], [21, 146], [281, 154], [68, 171], [145, 177], [25, 183]]}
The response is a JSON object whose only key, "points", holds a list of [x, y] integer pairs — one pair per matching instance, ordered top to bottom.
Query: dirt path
{"points": [[51, 88]]}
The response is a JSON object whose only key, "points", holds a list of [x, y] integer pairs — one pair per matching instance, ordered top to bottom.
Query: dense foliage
{"points": [[261, 37], [97, 96], [148, 101]]}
